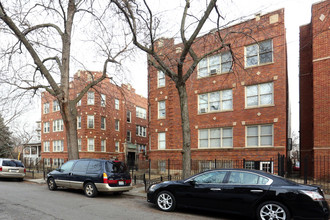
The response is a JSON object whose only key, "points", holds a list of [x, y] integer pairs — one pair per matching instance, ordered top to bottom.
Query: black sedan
{"points": [[245, 192]]}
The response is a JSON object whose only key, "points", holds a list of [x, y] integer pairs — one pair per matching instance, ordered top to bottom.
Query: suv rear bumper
{"points": [[11, 175], [103, 187]]}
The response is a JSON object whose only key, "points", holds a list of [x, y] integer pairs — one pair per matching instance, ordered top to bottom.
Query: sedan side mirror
{"points": [[192, 182]]}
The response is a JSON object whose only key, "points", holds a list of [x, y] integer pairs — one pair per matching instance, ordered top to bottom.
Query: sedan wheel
{"points": [[51, 184], [90, 190], [166, 201], [273, 211]]}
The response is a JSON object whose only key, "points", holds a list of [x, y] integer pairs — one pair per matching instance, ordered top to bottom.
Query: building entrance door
{"points": [[131, 159]]}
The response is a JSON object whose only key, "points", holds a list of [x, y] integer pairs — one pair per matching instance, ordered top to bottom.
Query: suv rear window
{"points": [[12, 163], [116, 167]]}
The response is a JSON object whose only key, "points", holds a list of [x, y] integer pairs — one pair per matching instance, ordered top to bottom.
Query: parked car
{"points": [[10, 168], [91, 175], [251, 193]]}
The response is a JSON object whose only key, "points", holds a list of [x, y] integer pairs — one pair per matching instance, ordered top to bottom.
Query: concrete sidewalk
{"points": [[138, 190]]}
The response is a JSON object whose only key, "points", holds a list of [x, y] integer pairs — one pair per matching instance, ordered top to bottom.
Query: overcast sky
{"points": [[297, 13]]}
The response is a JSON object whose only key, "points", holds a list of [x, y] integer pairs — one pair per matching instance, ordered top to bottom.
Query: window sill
{"points": [[264, 64], [212, 75], [262, 106], [231, 110], [214, 148]]}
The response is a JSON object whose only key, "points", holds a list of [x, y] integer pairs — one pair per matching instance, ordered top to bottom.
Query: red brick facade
{"points": [[315, 88], [128, 100], [240, 117]]}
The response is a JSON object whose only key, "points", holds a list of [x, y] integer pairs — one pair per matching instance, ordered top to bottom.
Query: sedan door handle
{"points": [[215, 189], [256, 190]]}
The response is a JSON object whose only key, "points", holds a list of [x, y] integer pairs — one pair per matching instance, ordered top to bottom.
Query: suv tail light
{"points": [[0, 169], [24, 170], [105, 178]]}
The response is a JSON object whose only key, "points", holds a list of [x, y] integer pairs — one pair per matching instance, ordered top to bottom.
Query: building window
{"points": [[259, 53], [217, 64], [161, 78], [259, 95], [90, 98], [103, 100], [215, 101], [79, 102], [117, 104], [56, 106], [46, 108], [161, 109], [141, 112], [129, 116], [90, 121], [78, 122], [103, 123], [58, 125], [117, 125], [46, 127], [141, 131], [259, 135], [129, 136], [215, 138], [161, 141], [79, 144], [90, 144], [103, 145], [46, 146], [58, 146], [117, 146], [142, 148], [47, 162], [249, 165]]}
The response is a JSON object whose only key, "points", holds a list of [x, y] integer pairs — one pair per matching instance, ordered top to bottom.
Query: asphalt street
{"points": [[28, 200]]}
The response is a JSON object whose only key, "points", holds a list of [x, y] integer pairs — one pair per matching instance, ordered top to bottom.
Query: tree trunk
{"points": [[69, 115], [186, 152]]}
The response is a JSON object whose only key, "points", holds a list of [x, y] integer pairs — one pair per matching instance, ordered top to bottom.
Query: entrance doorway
{"points": [[130, 159]]}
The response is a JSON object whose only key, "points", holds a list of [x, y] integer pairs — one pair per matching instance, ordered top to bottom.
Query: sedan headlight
{"points": [[152, 188], [316, 196]]}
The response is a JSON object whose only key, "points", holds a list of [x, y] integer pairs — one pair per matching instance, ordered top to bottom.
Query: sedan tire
{"points": [[51, 184], [90, 190], [166, 201], [273, 210]]}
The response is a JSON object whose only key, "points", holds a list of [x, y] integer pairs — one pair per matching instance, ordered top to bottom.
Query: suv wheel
{"points": [[51, 184], [90, 190]]}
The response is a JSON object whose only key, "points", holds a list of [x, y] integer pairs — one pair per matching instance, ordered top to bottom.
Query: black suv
{"points": [[91, 175]]}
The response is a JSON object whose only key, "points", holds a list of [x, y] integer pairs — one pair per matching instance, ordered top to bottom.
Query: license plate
{"points": [[13, 171], [121, 183]]}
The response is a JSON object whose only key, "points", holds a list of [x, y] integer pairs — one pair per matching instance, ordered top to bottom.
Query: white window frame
{"points": [[246, 56], [211, 72], [161, 82], [259, 95], [90, 98], [103, 100], [221, 101], [117, 104], [56, 106], [46, 108], [161, 110], [141, 112], [90, 117], [78, 122], [103, 122], [58, 125], [117, 125], [46, 127], [141, 131], [128, 136], [259, 136], [221, 138], [161, 140], [79, 144], [90, 144], [103, 145], [46, 146], [58, 146], [117, 146]]}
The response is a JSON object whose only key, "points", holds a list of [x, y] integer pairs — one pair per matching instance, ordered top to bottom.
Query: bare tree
{"points": [[39, 45], [179, 68]]}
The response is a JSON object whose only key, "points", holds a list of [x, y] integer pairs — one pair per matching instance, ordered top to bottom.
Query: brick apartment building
{"points": [[314, 81], [235, 113], [111, 122]]}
